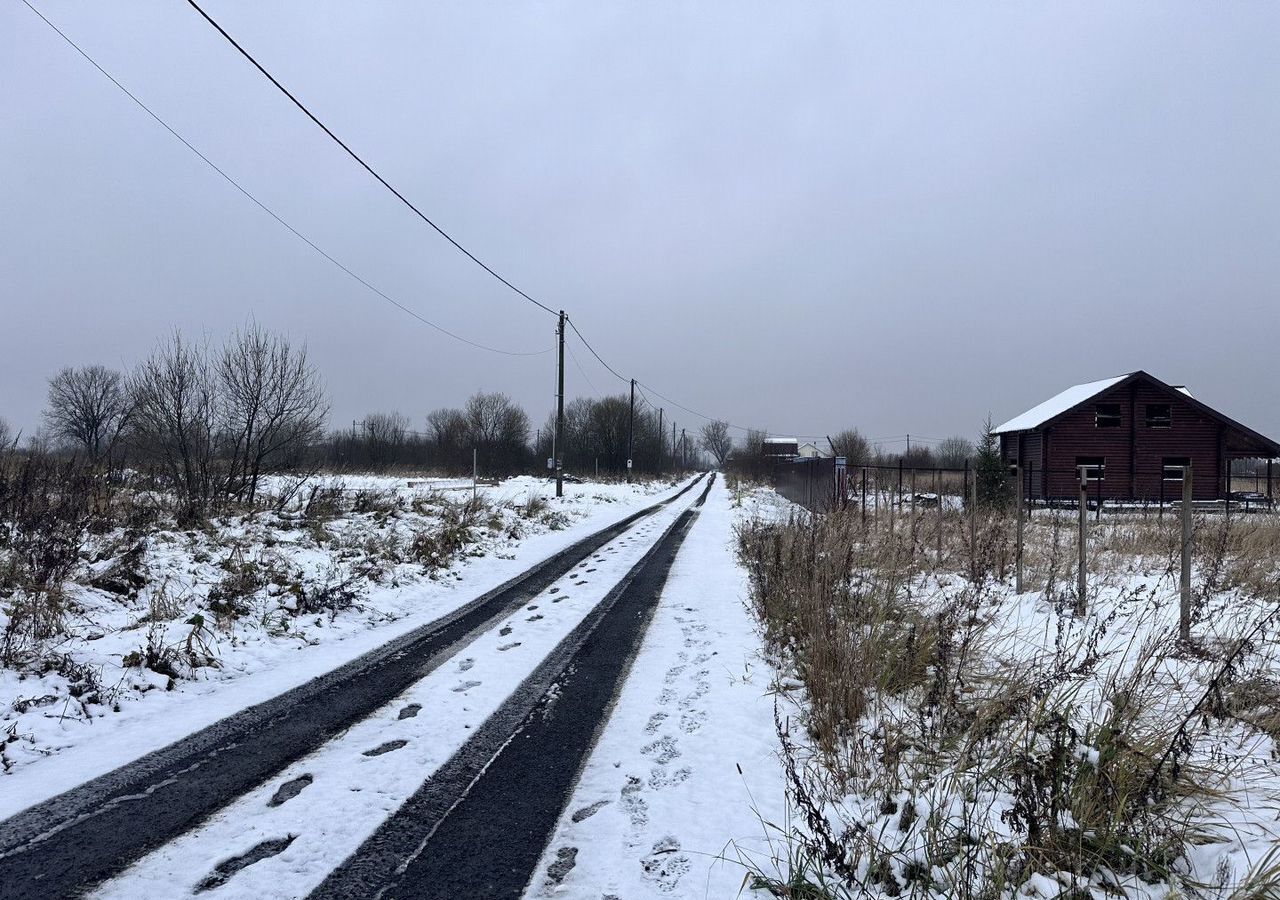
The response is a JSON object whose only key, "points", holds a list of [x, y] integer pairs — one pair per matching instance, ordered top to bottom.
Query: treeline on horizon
{"points": [[210, 421]]}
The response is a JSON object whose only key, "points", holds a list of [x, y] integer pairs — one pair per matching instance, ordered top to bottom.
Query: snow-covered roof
{"points": [[1058, 404], [780, 440]]}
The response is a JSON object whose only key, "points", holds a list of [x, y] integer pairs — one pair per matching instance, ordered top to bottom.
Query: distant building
{"points": [[1132, 435], [784, 447], [812, 451]]}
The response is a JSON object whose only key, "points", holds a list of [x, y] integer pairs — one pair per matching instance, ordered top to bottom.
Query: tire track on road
{"points": [[478, 826]]}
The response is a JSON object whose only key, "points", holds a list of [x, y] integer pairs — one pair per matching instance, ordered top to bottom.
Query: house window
{"points": [[1107, 415], [1159, 415], [1173, 466], [1095, 467]]}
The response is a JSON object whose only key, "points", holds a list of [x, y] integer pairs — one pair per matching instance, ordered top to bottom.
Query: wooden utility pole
{"points": [[631, 429], [684, 450], [558, 451], [1082, 578], [1017, 581], [1184, 610]]}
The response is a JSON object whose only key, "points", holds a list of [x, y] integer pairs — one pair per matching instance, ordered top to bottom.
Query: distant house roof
{"points": [[1073, 397], [1058, 404], [780, 440]]}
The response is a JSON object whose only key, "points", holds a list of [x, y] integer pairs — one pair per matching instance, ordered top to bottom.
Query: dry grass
{"points": [[942, 756]]}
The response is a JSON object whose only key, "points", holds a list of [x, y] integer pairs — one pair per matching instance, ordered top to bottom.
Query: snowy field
{"points": [[168, 631]]}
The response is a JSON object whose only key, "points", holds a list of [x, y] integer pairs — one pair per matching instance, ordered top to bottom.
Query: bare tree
{"points": [[272, 406], [88, 407], [175, 419], [499, 429], [448, 430], [384, 435], [6, 436], [716, 440], [850, 444], [953, 452]]}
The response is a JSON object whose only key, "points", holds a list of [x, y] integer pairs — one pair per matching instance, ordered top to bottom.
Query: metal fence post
{"points": [[864, 495], [1021, 502], [913, 508], [973, 529], [1082, 578], [1184, 611]]}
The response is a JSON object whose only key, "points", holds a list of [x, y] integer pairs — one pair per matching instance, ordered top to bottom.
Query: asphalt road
{"points": [[478, 826], [68, 844]]}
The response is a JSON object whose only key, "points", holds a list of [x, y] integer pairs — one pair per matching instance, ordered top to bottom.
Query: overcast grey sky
{"points": [[898, 216]]}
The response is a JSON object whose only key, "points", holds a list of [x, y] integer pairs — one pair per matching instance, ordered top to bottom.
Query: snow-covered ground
{"points": [[97, 705], [1167, 752], [355, 781], [680, 790], [674, 798]]}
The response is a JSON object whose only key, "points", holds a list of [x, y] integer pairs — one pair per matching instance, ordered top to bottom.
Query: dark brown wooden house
{"points": [[1133, 433]]}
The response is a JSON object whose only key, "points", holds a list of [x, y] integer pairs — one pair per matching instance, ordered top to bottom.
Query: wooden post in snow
{"points": [[937, 493], [973, 528], [1082, 579], [1017, 581], [1184, 610]]}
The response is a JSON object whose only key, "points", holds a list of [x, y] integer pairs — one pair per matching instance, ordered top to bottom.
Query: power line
{"points": [[211, 164], [368, 168], [598, 357], [581, 371], [691, 412]]}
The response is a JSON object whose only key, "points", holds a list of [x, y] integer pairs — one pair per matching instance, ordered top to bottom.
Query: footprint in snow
{"points": [[554, 590], [531, 607], [533, 618], [504, 631], [510, 646], [466, 664], [466, 686], [410, 711], [692, 721], [655, 722], [386, 748], [663, 750], [661, 778], [289, 790], [636, 806], [588, 811], [566, 858], [666, 864], [228, 867]]}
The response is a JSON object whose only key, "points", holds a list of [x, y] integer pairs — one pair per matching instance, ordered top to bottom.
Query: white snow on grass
{"points": [[56, 734], [685, 775], [352, 792]]}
